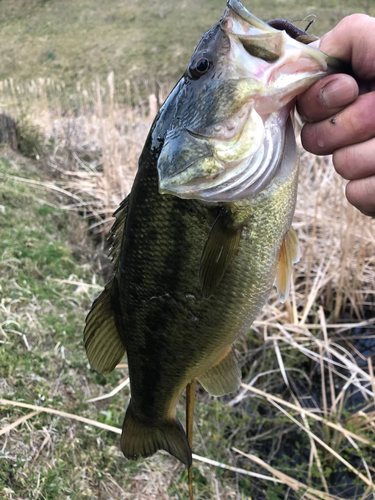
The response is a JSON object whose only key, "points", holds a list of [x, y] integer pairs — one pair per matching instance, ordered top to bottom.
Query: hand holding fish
{"points": [[340, 110]]}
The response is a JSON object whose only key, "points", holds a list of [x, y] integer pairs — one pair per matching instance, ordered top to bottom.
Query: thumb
{"points": [[353, 41], [327, 97]]}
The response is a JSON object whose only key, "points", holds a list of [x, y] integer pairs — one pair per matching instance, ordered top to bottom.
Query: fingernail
{"points": [[339, 92]]}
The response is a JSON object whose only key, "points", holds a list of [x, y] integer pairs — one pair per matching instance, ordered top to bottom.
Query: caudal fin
{"points": [[141, 439]]}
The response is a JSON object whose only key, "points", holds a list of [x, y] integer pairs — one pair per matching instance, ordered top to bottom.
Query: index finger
{"points": [[353, 41]]}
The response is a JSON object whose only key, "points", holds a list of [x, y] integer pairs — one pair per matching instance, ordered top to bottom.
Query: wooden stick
{"points": [[190, 401], [19, 421]]}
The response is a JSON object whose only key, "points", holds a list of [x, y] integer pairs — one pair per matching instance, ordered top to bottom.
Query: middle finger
{"points": [[354, 124], [356, 161]]}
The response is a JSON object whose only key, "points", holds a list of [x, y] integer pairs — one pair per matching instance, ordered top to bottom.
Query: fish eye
{"points": [[200, 67]]}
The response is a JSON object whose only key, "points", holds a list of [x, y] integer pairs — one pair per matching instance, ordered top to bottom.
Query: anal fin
{"points": [[289, 254], [104, 347], [224, 376]]}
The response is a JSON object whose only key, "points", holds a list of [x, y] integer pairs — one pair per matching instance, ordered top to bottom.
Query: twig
{"points": [[78, 283], [112, 393], [61, 414], [309, 414], [19, 421], [117, 430], [328, 448], [285, 479]]}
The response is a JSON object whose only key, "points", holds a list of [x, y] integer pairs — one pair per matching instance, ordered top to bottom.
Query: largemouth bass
{"points": [[206, 230]]}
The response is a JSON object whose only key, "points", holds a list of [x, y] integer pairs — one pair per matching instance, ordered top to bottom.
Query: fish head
{"points": [[227, 116]]}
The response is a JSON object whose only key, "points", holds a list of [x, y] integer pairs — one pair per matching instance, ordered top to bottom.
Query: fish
{"points": [[205, 232]]}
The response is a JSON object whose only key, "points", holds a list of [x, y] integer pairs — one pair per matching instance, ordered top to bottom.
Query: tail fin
{"points": [[142, 439]]}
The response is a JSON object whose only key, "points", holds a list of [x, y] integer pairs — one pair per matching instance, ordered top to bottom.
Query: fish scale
{"points": [[196, 255]]}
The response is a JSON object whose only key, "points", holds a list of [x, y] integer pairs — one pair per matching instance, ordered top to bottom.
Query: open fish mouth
{"points": [[229, 136]]}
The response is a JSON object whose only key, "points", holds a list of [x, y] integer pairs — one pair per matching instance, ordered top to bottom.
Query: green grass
{"points": [[76, 40], [42, 357]]}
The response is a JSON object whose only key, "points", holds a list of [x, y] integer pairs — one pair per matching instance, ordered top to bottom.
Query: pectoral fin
{"points": [[220, 247], [289, 254], [104, 347], [224, 377]]}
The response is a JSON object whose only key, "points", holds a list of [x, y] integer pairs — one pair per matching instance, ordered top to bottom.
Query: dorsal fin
{"points": [[116, 232], [219, 250], [289, 254], [104, 346]]}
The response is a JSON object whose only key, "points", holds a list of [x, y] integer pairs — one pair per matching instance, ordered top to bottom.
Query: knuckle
{"points": [[353, 22], [358, 26], [368, 65], [307, 103], [361, 119], [355, 123], [308, 137], [342, 160], [369, 188], [351, 193], [361, 194]]}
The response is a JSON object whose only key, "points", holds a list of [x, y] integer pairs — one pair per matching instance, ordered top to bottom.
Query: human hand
{"points": [[340, 111]]}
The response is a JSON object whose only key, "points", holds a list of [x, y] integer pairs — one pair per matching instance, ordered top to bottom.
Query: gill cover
{"points": [[228, 114]]}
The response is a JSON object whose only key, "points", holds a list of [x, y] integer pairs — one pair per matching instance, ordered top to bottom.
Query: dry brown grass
{"points": [[94, 153]]}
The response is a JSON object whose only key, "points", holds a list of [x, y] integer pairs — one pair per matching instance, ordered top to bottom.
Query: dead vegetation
{"points": [[308, 365]]}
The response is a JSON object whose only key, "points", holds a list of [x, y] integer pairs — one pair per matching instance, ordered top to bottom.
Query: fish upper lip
{"points": [[239, 9], [236, 11], [237, 133], [198, 136], [212, 138], [185, 167]]}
